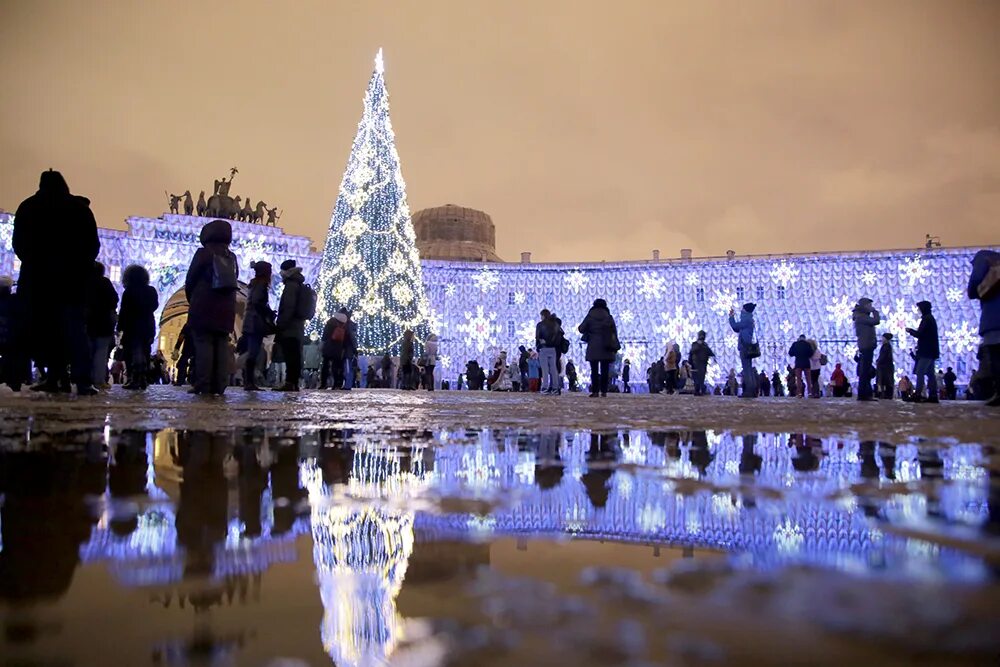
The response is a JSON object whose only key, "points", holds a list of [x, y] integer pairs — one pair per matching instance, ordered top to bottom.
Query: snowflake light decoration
{"points": [[914, 270], [784, 273], [869, 278], [692, 279], [486, 280], [575, 281], [652, 285], [450, 289], [955, 295], [520, 297], [722, 300], [840, 311], [627, 317], [896, 319], [435, 321], [786, 326], [679, 327], [480, 329], [526, 334], [962, 337], [713, 374]]}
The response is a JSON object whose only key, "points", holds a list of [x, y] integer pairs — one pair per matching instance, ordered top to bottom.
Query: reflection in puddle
{"points": [[201, 520]]}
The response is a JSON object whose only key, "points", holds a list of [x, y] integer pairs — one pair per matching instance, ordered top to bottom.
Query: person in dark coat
{"points": [[55, 237], [101, 313], [212, 313], [866, 318], [258, 322], [989, 322], [137, 324], [291, 328], [744, 328], [600, 333], [336, 339], [184, 349], [801, 350], [927, 352], [698, 357], [522, 366], [406, 368], [885, 369], [352, 373], [571, 376], [626, 376], [387, 379], [765, 384], [777, 386], [950, 391]]}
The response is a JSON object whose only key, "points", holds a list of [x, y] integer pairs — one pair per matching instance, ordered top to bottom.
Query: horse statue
{"points": [[188, 203], [202, 205], [223, 206], [246, 213], [257, 217]]}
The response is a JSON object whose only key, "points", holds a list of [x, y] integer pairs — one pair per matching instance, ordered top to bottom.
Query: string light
{"points": [[370, 263]]}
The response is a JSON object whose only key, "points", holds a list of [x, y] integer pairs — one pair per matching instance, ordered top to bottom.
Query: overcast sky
{"points": [[587, 130]]}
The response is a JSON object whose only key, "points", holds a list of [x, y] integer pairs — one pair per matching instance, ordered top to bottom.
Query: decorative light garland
{"points": [[370, 264]]}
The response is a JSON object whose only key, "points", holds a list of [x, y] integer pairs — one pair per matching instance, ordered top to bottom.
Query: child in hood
{"points": [[137, 324]]}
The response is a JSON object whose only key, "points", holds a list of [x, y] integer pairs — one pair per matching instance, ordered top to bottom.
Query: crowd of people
{"points": [[70, 332]]}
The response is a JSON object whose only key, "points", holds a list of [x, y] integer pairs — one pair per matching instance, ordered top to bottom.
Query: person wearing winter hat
{"points": [[212, 311], [866, 318], [259, 321], [291, 328], [746, 346], [927, 352], [699, 355], [885, 369]]}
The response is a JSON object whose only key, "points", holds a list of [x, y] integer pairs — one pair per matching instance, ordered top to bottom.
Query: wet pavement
{"points": [[379, 527]]}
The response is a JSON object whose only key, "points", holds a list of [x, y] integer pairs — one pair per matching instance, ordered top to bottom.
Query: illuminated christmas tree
{"points": [[370, 263]]}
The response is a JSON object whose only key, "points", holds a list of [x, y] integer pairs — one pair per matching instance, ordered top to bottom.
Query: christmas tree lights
{"points": [[370, 264]]}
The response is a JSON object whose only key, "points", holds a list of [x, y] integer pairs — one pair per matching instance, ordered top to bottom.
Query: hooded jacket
{"points": [[55, 237], [211, 311], [989, 318], [866, 319], [136, 320], [289, 326], [601, 334], [928, 345], [332, 348]]}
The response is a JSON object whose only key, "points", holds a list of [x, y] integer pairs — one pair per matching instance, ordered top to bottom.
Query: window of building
{"points": [[17, 265], [115, 273], [781, 291], [760, 293], [699, 294], [740, 294], [510, 298], [510, 328]]}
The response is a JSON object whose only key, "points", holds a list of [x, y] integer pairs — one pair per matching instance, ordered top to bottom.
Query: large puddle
{"points": [[264, 547]]}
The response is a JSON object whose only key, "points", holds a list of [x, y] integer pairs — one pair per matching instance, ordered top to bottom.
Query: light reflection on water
{"points": [[162, 509]]}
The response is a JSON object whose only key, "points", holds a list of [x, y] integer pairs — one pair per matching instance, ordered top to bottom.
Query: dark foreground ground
{"points": [[382, 527]]}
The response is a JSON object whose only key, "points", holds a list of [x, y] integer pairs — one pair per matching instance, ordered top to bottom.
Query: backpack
{"points": [[223, 274], [305, 303], [339, 333]]}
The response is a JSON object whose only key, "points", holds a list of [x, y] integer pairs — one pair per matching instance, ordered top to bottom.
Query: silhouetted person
{"points": [[55, 237], [983, 263], [211, 287], [101, 316], [259, 321], [137, 324], [291, 325], [600, 333], [185, 351]]}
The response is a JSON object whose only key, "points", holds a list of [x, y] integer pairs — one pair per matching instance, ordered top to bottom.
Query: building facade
{"points": [[479, 308]]}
